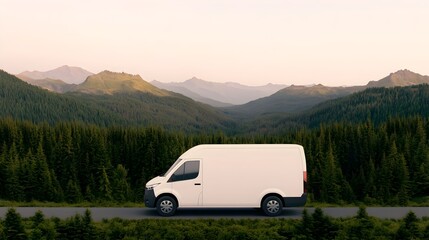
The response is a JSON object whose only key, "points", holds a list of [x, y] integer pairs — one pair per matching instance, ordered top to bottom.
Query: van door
{"points": [[187, 183]]}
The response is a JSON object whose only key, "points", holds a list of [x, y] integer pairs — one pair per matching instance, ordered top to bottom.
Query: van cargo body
{"points": [[267, 176]]}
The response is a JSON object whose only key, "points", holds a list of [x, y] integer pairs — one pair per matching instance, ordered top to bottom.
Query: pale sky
{"points": [[253, 42]]}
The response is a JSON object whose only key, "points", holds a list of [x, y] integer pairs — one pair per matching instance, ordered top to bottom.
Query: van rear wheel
{"points": [[166, 206], [272, 206]]}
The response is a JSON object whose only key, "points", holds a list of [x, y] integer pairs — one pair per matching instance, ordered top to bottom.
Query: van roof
{"points": [[198, 148]]}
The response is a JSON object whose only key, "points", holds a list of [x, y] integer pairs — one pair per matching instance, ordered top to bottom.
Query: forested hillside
{"points": [[52, 85], [291, 99], [297, 99], [22, 101], [376, 104], [170, 112], [384, 164]]}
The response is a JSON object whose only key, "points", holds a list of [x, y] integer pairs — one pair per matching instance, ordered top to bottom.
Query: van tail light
{"points": [[305, 181]]}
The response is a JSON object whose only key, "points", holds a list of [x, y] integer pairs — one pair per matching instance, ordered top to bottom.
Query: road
{"points": [[145, 213]]}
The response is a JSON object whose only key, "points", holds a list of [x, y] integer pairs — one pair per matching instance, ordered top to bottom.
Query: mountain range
{"points": [[69, 79], [219, 94], [128, 99], [234, 99], [295, 99]]}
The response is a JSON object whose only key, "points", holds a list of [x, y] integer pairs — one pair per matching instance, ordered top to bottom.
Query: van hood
{"points": [[155, 180]]}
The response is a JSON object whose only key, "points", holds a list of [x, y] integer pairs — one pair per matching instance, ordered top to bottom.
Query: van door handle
{"points": [[198, 184]]}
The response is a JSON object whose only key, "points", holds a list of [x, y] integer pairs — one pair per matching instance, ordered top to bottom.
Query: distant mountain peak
{"points": [[65, 67], [403, 71], [65, 73], [118, 76], [400, 78], [194, 80], [107, 82], [303, 90]]}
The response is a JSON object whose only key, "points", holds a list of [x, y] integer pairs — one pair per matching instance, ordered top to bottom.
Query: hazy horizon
{"points": [[251, 42]]}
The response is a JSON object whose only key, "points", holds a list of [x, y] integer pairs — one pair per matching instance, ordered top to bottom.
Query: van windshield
{"points": [[172, 166]]}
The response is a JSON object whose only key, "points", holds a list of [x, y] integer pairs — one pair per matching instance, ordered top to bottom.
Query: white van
{"points": [[267, 176]]}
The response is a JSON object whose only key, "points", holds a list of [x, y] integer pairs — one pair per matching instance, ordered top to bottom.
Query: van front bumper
{"points": [[149, 198], [295, 201]]}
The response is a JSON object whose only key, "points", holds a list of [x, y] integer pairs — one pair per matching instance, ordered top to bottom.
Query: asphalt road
{"points": [[145, 213]]}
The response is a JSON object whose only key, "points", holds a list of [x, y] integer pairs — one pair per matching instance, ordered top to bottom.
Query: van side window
{"points": [[188, 170]]}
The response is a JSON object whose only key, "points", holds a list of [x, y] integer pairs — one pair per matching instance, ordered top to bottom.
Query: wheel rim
{"points": [[166, 206], [273, 206]]}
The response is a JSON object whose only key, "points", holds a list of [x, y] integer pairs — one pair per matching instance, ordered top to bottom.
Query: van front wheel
{"points": [[166, 206], [272, 206]]}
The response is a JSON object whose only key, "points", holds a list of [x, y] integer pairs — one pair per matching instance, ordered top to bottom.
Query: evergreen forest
{"points": [[385, 163]]}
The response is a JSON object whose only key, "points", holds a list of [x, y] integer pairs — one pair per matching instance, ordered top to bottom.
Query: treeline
{"points": [[346, 163], [312, 226]]}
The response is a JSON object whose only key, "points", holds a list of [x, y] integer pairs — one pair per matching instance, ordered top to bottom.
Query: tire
{"points": [[166, 206], [272, 206]]}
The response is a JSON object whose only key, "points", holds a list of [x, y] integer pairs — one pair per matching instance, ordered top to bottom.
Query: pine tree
{"points": [[421, 153], [64, 156], [151, 159], [3, 172], [26, 176], [315, 178], [332, 178], [400, 178], [384, 181], [421, 181], [370, 183], [120, 186], [13, 187], [43, 187], [140, 187], [90, 189], [104, 189], [57, 190], [72, 194], [38, 218], [13, 226], [306, 226], [365, 226], [323, 228], [409, 228], [88, 231]]}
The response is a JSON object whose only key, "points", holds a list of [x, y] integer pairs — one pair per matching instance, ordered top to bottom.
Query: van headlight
{"points": [[150, 187]]}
